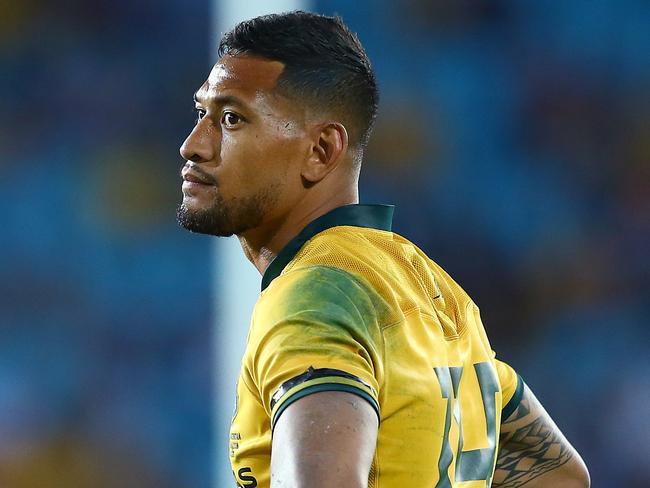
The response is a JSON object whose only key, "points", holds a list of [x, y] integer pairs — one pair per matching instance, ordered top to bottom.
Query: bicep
{"points": [[325, 439], [534, 452]]}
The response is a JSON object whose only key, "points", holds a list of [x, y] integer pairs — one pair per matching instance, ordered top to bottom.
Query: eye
{"points": [[200, 113], [230, 119]]}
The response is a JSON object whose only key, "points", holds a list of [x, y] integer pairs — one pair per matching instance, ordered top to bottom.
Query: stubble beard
{"points": [[224, 219]]}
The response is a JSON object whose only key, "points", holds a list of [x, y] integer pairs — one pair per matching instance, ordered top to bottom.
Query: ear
{"points": [[328, 150]]}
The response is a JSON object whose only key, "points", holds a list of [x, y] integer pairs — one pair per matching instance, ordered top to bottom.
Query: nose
{"points": [[199, 146]]}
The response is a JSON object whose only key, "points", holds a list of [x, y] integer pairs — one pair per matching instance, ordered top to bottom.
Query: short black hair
{"points": [[325, 64]]}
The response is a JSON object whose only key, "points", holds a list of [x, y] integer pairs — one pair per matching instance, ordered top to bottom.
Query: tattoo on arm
{"points": [[530, 445]]}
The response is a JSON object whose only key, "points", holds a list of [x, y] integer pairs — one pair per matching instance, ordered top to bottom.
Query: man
{"points": [[366, 364]]}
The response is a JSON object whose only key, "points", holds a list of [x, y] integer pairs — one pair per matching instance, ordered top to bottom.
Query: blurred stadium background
{"points": [[514, 138]]}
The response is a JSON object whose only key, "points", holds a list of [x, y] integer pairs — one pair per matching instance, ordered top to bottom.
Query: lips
{"points": [[193, 176], [194, 179]]}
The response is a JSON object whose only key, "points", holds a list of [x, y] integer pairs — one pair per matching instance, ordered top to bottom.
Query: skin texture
{"points": [[261, 166], [534, 453]]}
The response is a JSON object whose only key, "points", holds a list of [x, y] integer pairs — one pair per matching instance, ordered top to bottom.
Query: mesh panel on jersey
{"points": [[394, 267]]}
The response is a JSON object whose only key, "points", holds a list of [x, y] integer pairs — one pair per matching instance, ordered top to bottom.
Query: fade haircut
{"points": [[324, 64]]}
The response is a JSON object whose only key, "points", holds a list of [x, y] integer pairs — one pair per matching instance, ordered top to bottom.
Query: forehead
{"points": [[248, 76]]}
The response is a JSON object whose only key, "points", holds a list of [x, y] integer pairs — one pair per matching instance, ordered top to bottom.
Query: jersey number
{"points": [[470, 465]]}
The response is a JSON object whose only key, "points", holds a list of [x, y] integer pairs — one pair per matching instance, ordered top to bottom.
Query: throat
{"points": [[260, 256]]}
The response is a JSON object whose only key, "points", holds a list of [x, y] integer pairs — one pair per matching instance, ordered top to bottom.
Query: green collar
{"points": [[370, 216]]}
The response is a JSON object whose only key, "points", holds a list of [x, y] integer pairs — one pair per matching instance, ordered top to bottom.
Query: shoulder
{"points": [[314, 290], [314, 316]]}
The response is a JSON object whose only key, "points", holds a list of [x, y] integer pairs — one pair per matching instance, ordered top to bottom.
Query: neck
{"points": [[262, 244]]}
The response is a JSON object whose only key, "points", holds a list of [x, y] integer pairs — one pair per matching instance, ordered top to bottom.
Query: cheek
{"points": [[286, 148], [238, 155], [261, 155], [245, 167]]}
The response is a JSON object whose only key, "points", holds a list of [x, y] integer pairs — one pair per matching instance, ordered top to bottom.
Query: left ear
{"points": [[328, 149]]}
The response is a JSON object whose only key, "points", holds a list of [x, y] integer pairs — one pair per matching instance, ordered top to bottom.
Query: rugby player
{"points": [[365, 364]]}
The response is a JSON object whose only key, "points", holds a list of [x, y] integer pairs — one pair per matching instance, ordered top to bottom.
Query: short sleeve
{"points": [[315, 330], [512, 388]]}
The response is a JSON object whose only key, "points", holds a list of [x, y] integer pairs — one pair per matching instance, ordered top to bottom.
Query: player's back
{"points": [[350, 306], [440, 390]]}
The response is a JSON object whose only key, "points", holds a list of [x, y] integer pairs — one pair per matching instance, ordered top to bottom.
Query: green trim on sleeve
{"points": [[316, 376], [324, 387], [514, 401]]}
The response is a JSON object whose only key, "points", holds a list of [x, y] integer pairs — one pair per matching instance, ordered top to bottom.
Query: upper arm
{"points": [[326, 439], [534, 452]]}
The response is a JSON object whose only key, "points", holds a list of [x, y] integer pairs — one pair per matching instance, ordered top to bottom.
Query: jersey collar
{"points": [[369, 216]]}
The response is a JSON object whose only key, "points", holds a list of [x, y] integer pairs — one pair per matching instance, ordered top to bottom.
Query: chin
{"points": [[218, 217], [204, 220]]}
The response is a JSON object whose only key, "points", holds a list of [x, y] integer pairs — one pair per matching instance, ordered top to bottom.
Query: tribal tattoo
{"points": [[530, 445]]}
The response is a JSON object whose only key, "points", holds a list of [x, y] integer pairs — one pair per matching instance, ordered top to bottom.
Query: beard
{"points": [[224, 219]]}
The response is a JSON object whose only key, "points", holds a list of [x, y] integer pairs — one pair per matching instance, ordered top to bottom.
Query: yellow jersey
{"points": [[350, 306]]}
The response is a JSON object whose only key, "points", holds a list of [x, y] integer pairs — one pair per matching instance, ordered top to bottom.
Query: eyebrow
{"points": [[222, 100]]}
